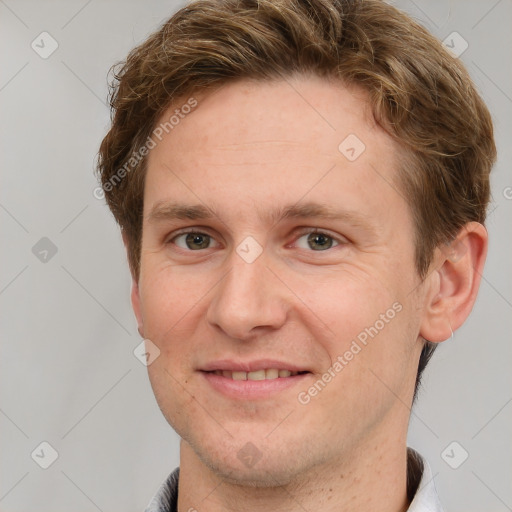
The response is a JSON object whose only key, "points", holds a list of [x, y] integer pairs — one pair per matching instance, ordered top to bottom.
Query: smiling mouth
{"points": [[264, 374]]}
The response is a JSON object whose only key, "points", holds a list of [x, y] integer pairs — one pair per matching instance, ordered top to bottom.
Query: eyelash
{"points": [[308, 231], [302, 232]]}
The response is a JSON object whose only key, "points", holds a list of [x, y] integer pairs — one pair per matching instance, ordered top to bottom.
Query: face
{"points": [[277, 279]]}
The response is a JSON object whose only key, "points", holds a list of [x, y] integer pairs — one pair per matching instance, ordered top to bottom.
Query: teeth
{"points": [[272, 373], [265, 374], [257, 375]]}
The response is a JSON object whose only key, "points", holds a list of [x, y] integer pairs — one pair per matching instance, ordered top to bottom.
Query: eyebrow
{"points": [[313, 210], [316, 210], [168, 211]]}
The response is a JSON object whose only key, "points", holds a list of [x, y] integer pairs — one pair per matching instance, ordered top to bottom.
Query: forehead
{"points": [[294, 109], [264, 142]]}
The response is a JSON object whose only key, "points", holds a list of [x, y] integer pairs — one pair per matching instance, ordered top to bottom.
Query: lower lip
{"points": [[251, 389]]}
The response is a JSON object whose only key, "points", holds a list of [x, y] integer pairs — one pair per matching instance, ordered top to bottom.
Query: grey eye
{"points": [[316, 241]]}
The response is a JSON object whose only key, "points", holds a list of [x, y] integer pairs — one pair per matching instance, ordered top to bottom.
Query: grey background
{"points": [[68, 374]]}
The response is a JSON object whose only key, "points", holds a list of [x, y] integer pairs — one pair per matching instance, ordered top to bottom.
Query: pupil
{"points": [[317, 240], [197, 241]]}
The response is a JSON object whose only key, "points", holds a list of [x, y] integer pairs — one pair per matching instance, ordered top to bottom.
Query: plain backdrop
{"points": [[68, 373]]}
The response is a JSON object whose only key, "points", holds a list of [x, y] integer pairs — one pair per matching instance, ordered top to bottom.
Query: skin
{"points": [[249, 150]]}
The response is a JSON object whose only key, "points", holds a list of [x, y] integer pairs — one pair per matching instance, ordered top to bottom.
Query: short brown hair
{"points": [[420, 94]]}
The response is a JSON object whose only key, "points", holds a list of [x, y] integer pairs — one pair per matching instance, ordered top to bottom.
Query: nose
{"points": [[250, 300]]}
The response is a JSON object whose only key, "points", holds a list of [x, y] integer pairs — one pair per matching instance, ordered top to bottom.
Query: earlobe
{"points": [[455, 283]]}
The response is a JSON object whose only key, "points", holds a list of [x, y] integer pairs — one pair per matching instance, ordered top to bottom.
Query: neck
{"points": [[374, 477]]}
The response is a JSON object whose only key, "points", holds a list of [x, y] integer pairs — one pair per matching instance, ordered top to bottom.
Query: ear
{"points": [[455, 282], [135, 294]]}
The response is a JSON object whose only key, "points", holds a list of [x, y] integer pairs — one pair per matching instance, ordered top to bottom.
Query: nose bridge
{"points": [[247, 297]]}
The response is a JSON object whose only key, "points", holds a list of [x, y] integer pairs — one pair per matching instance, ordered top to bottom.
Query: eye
{"points": [[193, 241], [317, 241]]}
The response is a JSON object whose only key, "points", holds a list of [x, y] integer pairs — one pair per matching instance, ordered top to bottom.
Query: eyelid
{"points": [[192, 229], [340, 239]]}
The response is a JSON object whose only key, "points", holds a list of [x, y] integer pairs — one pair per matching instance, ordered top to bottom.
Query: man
{"points": [[301, 188]]}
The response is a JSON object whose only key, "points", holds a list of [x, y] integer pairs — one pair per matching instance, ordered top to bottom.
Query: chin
{"points": [[263, 462], [266, 473]]}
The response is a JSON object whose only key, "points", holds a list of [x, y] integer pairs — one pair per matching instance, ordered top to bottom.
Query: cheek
{"points": [[169, 299], [344, 305], [172, 306], [366, 330]]}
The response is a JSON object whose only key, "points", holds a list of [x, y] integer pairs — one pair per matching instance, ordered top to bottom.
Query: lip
{"points": [[251, 366], [251, 389]]}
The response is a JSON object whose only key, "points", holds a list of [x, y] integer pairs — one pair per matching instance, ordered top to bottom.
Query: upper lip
{"points": [[251, 366]]}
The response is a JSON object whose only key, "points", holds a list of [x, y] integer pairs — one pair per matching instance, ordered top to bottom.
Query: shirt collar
{"points": [[420, 487], [425, 495]]}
